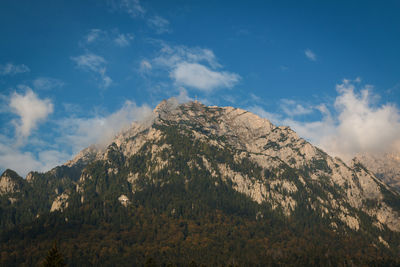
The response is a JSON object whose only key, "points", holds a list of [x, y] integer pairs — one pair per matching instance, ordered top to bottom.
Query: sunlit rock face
{"points": [[385, 166], [10, 182]]}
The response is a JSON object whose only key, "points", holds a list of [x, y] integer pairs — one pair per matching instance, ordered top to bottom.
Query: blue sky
{"points": [[73, 73]]}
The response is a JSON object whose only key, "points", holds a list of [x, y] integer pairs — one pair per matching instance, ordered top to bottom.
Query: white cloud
{"points": [[159, 24], [123, 40], [310, 55], [96, 64], [196, 68], [11, 69], [200, 77], [45, 83], [31, 111], [353, 124], [362, 126], [74, 134], [12, 157]]}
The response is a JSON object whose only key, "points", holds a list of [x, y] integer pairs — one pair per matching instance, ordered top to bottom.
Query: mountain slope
{"points": [[385, 166], [208, 167]]}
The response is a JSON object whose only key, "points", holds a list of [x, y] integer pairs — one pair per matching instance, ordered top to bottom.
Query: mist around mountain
{"points": [[205, 185]]}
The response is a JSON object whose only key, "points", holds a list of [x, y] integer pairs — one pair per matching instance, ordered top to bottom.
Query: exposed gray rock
{"points": [[386, 166], [10, 182], [124, 200], [60, 203]]}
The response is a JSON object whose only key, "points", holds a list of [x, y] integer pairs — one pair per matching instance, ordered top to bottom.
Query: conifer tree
{"points": [[54, 258]]}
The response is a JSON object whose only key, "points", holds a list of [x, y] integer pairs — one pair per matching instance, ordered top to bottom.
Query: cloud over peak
{"points": [[196, 68], [200, 77], [354, 123], [361, 125], [82, 132]]}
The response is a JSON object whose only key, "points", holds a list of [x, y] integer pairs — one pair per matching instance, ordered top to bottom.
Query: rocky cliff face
{"points": [[232, 148], [385, 166], [285, 171], [10, 182]]}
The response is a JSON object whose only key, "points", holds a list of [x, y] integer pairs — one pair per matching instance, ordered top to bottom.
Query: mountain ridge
{"points": [[244, 131], [225, 150]]}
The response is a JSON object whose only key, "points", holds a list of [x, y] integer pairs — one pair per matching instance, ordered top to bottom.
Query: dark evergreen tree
{"points": [[54, 258]]}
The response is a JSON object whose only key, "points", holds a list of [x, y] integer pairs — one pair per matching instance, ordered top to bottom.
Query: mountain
{"points": [[386, 166], [212, 185]]}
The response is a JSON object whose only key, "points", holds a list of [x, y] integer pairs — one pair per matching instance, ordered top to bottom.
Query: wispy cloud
{"points": [[132, 7], [135, 9], [159, 24], [93, 35], [114, 36], [123, 40], [310, 55], [170, 56], [90, 62], [96, 64], [145, 66], [12, 69], [46, 83], [292, 108], [30, 109]]}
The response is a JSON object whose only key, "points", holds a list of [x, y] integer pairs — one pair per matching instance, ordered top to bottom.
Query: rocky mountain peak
{"points": [[273, 150], [85, 156], [194, 159], [281, 168], [10, 182]]}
